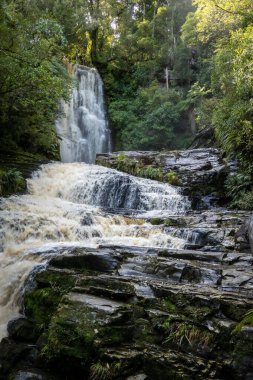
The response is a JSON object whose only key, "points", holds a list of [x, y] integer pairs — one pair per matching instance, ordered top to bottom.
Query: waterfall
{"points": [[83, 130], [75, 204], [70, 205]]}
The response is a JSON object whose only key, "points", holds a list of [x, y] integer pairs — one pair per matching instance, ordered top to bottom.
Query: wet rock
{"points": [[197, 169], [250, 232], [242, 237], [86, 261], [142, 311], [21, 329], [11, 354], [32, 375], [140, 376]]}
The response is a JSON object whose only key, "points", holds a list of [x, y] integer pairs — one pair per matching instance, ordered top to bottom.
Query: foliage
{"points": [[221, 32], [131, 44], [32, 78], [150, 120], [140, 169], [150, 172], [172, 178], [11, 181], [241, 182], [246, 321], [183, 333], [104, 371]]}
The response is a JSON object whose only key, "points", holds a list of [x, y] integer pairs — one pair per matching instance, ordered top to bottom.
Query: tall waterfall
{"points": [[83, 130], [70, 205]]}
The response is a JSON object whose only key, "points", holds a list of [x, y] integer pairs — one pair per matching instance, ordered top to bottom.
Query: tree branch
{"points": [[227, 10]]}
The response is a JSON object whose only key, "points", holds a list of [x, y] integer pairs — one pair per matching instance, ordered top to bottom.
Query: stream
{"points": [[135, 283]]}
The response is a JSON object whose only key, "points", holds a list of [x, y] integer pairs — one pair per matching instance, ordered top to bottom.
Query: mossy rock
{"points": [[40, 305]]}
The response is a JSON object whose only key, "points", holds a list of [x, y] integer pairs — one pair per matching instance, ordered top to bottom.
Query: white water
{"points": [[83, 131], [67, 205]]}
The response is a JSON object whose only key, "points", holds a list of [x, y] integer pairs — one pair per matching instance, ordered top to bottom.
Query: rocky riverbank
{"points": [[135, 313], [142, 313]]}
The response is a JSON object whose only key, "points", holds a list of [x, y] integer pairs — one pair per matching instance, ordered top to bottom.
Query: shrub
{"points": [[172, 178], [11, 181]]}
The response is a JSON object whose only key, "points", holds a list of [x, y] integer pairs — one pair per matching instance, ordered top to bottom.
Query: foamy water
{"points": [[67, 205]]}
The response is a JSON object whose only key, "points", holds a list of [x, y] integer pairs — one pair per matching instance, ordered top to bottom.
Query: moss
{"points": [[126, 164], [136, 167], [150, 172], [172, 178], [156, 221], [168, 222], [51, 278], [177, 302], [40, 304], [170, 306], [233, 311], [197, 313], [144, 333], [70, 334], [113, 334], [160, 369]]}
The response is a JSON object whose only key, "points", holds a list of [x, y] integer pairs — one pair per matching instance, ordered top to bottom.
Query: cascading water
{"points": [[83, 130], [76, 204], [67, 205]]}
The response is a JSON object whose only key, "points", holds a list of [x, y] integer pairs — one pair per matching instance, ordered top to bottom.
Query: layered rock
{"points": [[200, 170], [130, 313], [144, 313]]}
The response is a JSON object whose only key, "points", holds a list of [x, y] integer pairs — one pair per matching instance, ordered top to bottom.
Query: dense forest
{"points": [[170, 68]]}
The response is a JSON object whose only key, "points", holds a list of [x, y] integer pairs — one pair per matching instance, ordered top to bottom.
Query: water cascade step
{"points": [[67, 206], [131, 278]]}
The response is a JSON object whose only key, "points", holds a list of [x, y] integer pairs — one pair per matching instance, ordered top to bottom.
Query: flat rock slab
{"points": [[96, 303]]}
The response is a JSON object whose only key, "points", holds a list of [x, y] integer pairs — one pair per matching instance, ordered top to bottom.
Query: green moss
{"points": [[126, 164], [137, 168], [150, 172], [172, 178], [156, 221], [168, 222], [55, 279], [40, 304], [170, 306], [233, 311], [197, 313], [144, 333], [70, 334], [113, 334]]}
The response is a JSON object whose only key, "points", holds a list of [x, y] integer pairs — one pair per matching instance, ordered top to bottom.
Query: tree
{"points": [[32, 79]]}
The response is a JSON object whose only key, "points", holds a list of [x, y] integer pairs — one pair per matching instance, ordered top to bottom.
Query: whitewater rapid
{"points": [[77, 205]]}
